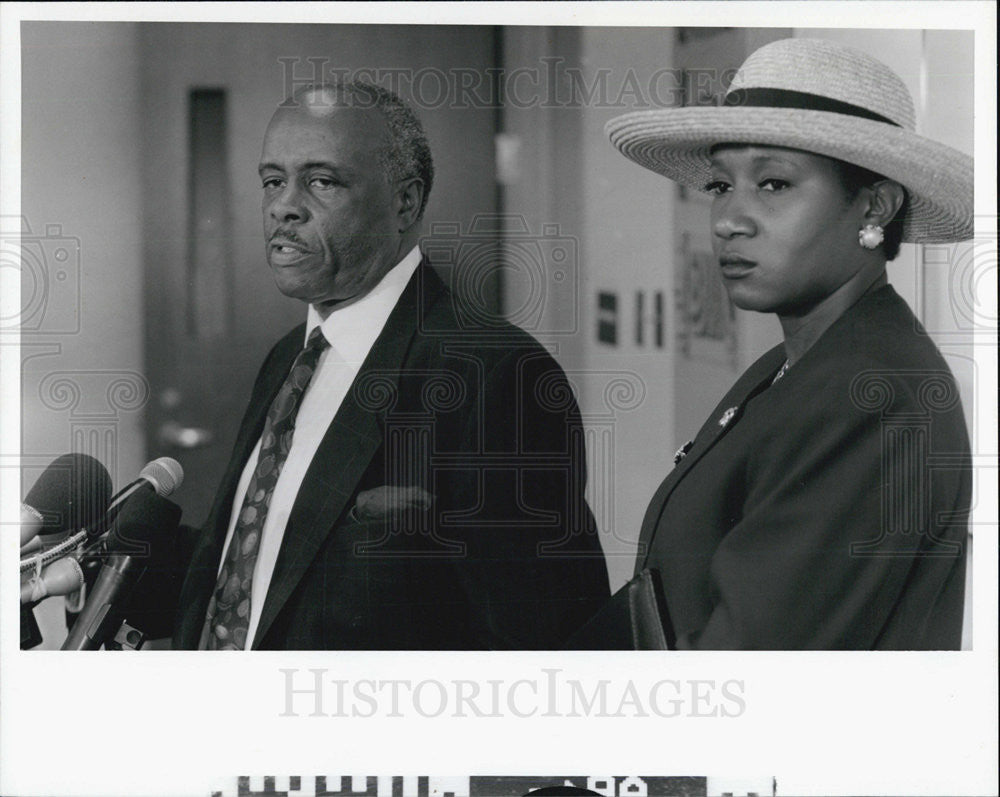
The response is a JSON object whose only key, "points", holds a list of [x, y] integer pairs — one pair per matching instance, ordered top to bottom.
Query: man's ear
{"points": [[409, 198], [886, 199]]}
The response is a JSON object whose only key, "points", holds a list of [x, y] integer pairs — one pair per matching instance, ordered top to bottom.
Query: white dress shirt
{"points": [[351, 332]]}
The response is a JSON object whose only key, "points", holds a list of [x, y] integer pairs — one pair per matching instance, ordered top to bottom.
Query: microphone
{"points": [[162, 476], [73, 492], [141, 520], [31, 523], [59, 578]]}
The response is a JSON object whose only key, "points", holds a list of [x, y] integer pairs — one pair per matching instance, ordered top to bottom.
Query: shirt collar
{"points": [[352, 330]]}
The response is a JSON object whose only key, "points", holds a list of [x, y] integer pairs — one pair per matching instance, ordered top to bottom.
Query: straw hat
{"points": [[821, 97]]}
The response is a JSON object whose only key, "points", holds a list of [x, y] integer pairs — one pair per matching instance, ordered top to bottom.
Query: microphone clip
{"points": [[127, 638]]}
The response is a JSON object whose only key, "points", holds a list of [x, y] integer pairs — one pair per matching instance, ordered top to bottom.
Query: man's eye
{"points": [[271, 182], [322, 182], [774, 184], [717, 187]]}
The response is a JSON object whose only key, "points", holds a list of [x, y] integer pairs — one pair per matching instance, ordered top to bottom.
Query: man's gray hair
{"points": [[408, 154]]}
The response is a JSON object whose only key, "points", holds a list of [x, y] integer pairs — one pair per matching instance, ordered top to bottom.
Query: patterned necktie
{"points": [[229, 609]]}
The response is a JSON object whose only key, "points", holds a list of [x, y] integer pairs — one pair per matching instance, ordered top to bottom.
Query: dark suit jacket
{"points": [[484, 420], [830, 510]]}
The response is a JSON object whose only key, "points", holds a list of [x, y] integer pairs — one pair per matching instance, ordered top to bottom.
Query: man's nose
{"points": [[288, 204], [731, 217]]}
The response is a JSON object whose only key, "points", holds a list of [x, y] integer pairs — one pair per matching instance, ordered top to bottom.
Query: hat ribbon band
{"points": [[787, 98]]}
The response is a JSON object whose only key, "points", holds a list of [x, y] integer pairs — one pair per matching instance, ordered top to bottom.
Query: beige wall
{"points": [[82, 78], [628, 245]]}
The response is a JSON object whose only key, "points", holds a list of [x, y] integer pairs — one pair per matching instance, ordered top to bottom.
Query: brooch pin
{"points": [[727, 416], [682, 451]]}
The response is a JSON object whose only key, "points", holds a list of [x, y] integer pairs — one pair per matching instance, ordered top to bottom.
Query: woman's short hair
{"points": [[853, 178]]}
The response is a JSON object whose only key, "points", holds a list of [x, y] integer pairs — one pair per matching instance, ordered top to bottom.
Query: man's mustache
{"points": [[287, 236]]}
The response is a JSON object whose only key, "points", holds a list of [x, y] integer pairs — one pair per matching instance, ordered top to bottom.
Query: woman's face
{"points": [[783, 228]]}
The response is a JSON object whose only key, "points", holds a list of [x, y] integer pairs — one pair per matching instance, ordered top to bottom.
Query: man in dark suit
{"points": [[399, 480]]}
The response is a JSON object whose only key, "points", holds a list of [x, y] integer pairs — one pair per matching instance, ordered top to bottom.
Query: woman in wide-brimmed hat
{"points": [[824, 502]]}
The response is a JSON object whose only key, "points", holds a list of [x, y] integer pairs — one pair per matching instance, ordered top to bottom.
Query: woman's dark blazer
{"points": [[828, 510]]}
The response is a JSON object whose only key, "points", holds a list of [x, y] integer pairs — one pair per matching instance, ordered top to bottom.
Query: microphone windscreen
{"points": [[165, 474], [73, 492], [145, 518], [32, 522], [152, 604]]}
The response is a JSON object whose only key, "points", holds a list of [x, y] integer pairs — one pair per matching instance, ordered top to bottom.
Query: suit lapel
{"points": [[723, 418], [346, 449], [206, 558]]}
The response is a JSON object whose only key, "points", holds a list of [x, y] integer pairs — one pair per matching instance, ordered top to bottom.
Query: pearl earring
{"points": [[870, 236]]}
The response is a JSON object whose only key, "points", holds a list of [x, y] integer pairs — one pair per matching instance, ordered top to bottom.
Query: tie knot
{"points": [[317, 340], [315, 345], [307, 360]]}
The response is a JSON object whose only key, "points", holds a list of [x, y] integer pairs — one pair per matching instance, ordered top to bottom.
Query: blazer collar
{"points": [[755, 379]]}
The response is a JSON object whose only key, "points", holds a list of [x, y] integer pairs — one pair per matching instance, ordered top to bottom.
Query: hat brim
{"points": [[676, 143]]}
